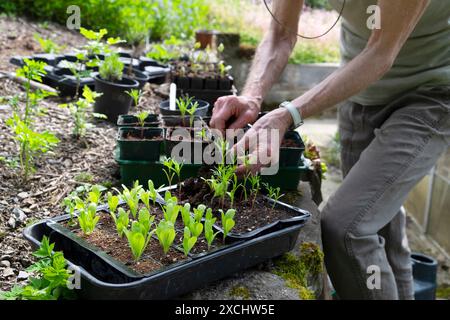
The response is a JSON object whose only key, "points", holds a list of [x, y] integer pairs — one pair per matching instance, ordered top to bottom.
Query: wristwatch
{"points": [[296, 117]]}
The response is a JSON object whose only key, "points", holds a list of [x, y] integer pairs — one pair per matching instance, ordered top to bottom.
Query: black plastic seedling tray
{"points": [[126, 121], [99, 280]]}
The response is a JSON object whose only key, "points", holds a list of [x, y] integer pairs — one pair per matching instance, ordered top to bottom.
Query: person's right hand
{"points": [[243, 109]]}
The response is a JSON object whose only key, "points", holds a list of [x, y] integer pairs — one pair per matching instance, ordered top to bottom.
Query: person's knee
{"points": [[333, 231]]}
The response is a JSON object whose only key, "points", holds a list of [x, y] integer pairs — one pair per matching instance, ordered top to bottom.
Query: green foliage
{"points": [[318, 4], [124, 18], [47, 45], [310, 52], [112, 68], [135, 94], [186, 105], [79, 109], [141, 117], [32, 144], [173, 168], [273, 193], [132, 197], [113, 202], [171, 211], [88, 218], [122, 220], [227, 221], [209, 231], [166, 234], [138, 238], [188, 241], [50, 280]]}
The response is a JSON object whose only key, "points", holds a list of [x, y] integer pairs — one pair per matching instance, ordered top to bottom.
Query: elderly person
{"points": [[395, 124]]}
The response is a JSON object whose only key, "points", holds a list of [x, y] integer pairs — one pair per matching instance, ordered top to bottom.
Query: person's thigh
{"points": [[404, 149]]}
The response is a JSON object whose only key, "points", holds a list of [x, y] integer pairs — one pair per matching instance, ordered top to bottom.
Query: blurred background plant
{"points": [[162, 19]]}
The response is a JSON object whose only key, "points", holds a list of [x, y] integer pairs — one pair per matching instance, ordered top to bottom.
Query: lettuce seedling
{"points": [[168, 163], [153, 193], [95, 194], [131, 197], [145, 198], [113, 202], [70, 208], [171, 211], [198, 212], [186, 214], [88, 218], [145, 220], [121, 221], [227, 221], [195, 227], [209, 231], [166, 234], [138, 239], [188, 241]]}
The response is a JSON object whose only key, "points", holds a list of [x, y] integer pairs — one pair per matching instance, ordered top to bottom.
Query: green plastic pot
{"points": [[152, 121], [144, 149], [292, 156], [143, 171], [287, 178]]}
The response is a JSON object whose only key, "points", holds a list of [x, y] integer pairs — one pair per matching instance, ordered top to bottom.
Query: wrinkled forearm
{"points": [[270, 60]]}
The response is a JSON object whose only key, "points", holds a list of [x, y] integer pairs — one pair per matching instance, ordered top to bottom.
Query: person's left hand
{"points": [[257, 140]]}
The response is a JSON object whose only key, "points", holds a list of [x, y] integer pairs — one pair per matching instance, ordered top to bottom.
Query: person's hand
{"points": [[243, 109], [258, 141]]}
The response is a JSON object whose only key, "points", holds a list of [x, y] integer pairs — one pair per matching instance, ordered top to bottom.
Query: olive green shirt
{"points": [[423, 61]]}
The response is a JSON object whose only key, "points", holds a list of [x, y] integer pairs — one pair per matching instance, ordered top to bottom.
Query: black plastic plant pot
{"points": [[139, 76], [183, 83], [226, 83], [67, 84], [211, 84], [209, 96], [114, 100], [201, 111], [125, 120], [178, 121], [187, 139], [140, 143], [291, 149], [102, 280]]}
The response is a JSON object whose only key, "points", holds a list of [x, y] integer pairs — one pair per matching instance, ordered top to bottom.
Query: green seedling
{"points": [[47, 45], [112, 68], [135, 94], [184, 104], [78, 111], [191, 111], [142, 116], [173, 169], [255, 182], [234, 187], [153, 193], [273, 193], [95, 194], [131, 197], [145, 198], [113, 202], [70, 208], [171, 211], [198, 212], [186, 214], [88, 218], [146, 220], [121, 221], [227, 221], [196, 228], [209, 231], [166, 234], [138, 239], [188, 241]]}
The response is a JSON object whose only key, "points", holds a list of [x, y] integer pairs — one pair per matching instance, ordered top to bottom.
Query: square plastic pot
{"points": [[152, 121], [147, 148], [292, 155]]}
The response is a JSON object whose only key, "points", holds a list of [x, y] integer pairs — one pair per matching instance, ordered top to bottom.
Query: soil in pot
{"points": [[114, 100], [202, 109], [151, 121], [179, 121], [185, 139], [141, 144], [251, 214]]}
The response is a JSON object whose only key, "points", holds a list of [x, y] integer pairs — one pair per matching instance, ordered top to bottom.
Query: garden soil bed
{"points": [[74, 163]]}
